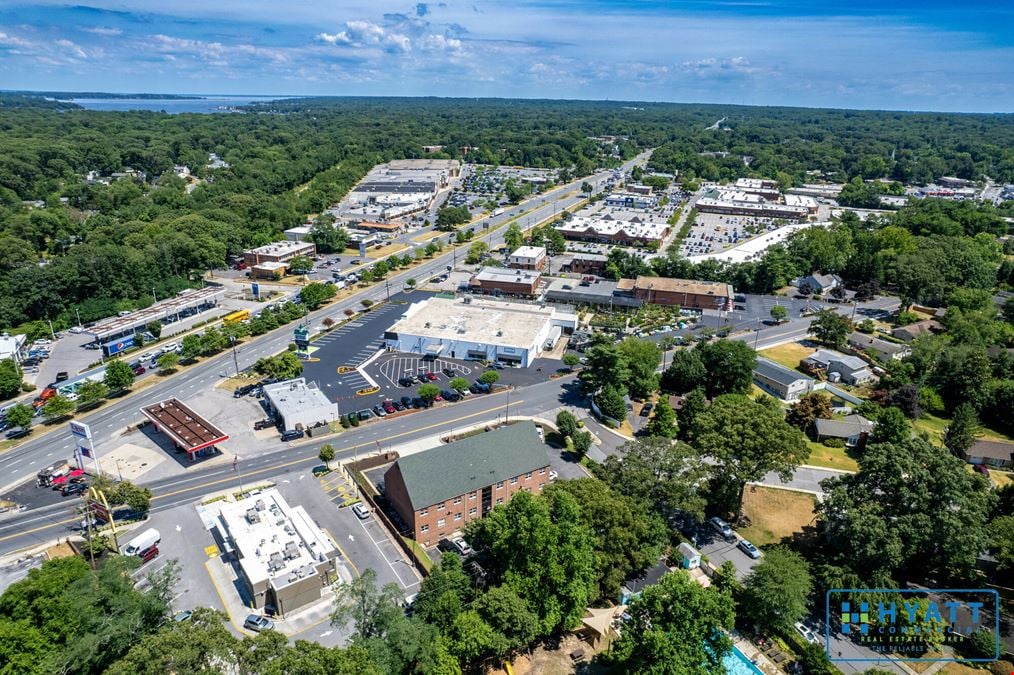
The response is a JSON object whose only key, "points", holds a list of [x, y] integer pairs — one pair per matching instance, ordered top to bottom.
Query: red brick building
{"points": [[500, 281], [679, 292], [438, 491]]}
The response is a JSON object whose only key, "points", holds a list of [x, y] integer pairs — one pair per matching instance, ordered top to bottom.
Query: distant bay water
{"points": [[174, 106]]}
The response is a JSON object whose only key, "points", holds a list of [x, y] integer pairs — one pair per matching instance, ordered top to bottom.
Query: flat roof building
{"points": [[758, 186], [630, 200], [738, 202], [609, 231], [280, 251], [528, 258], [586, 263], [269, 270], [501, 281], [685, 293], [188, 301], [484, 330], [12, 347], [298, 405], [188, 431], [438, 491], [285, 559]]}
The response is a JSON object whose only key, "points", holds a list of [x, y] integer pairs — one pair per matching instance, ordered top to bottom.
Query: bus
{"points": [[237, 316]]}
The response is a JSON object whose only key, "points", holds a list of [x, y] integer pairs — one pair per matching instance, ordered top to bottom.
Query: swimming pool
{"points": [[737, 664]]}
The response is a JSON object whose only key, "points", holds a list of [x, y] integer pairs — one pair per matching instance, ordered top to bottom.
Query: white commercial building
{"points": [[609, 231], [528, 258], [510, 333], [12, 347], [298, 405], [285, 558]]}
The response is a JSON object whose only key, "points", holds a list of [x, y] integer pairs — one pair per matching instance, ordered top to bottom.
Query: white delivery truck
{"points": [[143, 542]]}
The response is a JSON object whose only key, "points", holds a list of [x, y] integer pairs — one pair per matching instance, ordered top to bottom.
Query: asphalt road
{"points": [[24, 461]]}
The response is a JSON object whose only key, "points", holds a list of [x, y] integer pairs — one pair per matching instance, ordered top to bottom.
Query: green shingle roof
{"points": [[460, 467]]}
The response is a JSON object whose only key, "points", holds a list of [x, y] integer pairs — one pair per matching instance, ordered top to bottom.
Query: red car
{"points": [[139, 370], [432, 377], [438, 397], [389, 407], [148, 554]]}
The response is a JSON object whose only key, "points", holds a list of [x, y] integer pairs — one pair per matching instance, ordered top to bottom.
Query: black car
{"points": [[448, 372], [61, 376], [405, 381], [240, 392], [450, 395], [407, 402], [419, 403], [398, 405], [646, 410], [263, 424], [292, 435], [73, 489]]}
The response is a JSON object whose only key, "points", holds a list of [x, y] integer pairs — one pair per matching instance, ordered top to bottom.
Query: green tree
{"points": [[450, 217], [328, 238], [513, 238], [476, 251], [300, 264], [380, 270], [316, 294], [779, 313], [155, 328], [830, 328], [192, 346], [642, 358], [571, 360], [168, 363], [604, 365], [729, 365], [284, 366], [119, 376], [489, 377], [10, 379], [458, 383], [91, 392], [428, 392], [611, 402], [694, 405], [57, 407], [809, 408], [20, 415], [663, 420], [566, 423], [891, 426], [963, 430], [748, 439], [582, 443], [326, 455], [658, 473], [136, 497], [887, 519], [628, 538], [537, 547], [443, 593], [776, 593], [372, 610], [510, 616], [676, 628], [473, 639]]}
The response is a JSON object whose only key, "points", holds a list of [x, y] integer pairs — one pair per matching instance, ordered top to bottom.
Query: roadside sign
{"points": [[362, 249], [256, 290], [81, 430]]}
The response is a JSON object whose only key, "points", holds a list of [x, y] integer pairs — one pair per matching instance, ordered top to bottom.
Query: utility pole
{"points": [[387, 287], [235, 359], [507, 408]]}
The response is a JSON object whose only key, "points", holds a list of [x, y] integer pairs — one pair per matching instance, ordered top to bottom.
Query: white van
{"points": [[143, 542]]}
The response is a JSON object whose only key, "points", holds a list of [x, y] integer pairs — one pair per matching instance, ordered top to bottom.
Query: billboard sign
{"points": [[302, 337], [81, 430]]}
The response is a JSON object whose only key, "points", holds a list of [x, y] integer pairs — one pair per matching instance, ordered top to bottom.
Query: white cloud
{"points": [[104, 30], [72, 48]]}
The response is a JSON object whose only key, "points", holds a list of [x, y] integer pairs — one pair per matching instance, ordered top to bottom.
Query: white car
{"points": [[171, 347], [361, 510], [721, 527], [462, 546], [806, 633]]}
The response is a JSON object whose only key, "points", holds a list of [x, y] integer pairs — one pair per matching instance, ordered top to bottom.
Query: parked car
{"points": [[140, 370], [447, 371], [61, 376], [432, 377], [406, 381], [450, 395], [407, 402], [419, 403], [399, 406], [388, 407], [646, 409], [379, 411], [364, 415], [263, 424], [292, 435], [553, 475], [73, 489], [361, 510], [721, 527], [461, 546], [749, 549], [148, 554], [180, 617], [258, 623], [806, 633]]}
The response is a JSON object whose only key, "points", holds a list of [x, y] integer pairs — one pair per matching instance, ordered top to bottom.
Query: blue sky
{"points": [[891, 54]]}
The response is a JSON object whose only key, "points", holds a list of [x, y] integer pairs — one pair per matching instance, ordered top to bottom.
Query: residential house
{"points": [[819, 283], [917, 329], [882, 349], [839, 367], [781, 382], [853, 429], [995, 454], [438, 491], [634, 586]]}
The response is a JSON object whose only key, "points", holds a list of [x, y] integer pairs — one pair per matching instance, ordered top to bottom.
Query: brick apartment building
{"points": [[587, 263], [679, 292], [438, 491]]}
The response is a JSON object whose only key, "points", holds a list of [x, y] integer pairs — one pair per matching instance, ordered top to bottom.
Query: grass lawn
{"points": [[426, 236], [385, 250], [788, 354], [935, 426], [832, 458], [1001, 478], [775, 514]]}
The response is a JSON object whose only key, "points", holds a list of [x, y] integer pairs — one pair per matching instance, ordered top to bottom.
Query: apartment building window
{"points": [[542, 471], [528, 476], [514, 481], [499, 486], [471, 497], [457, 500], [499, 500], [440, 506], [472, 511], [424, 512], [457, 516], [441, 522], [424, 528]]}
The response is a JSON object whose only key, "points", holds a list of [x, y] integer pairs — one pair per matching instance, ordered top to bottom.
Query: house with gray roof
{"points": [[819, 283], [917, 329], [882, 349], [839, 367], [781, 382], [853, 429], [995, 454], [437, 491]]}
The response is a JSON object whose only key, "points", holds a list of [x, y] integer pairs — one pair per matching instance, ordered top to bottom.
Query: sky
{"points": [[882, 54]]}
